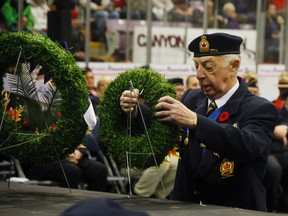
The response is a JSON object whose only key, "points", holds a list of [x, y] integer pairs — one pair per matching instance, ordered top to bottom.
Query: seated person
{"points": [[78, 168], [276, 178], [158, 181]]}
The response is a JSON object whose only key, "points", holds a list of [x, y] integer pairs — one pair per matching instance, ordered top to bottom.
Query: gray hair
{"points": [[231, 57]]}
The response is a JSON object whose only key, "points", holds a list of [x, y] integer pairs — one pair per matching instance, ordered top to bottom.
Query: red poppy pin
{"points": [[223, 117]]}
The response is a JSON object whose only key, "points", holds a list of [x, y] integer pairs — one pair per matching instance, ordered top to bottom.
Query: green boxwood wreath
{"points": [[68, 78], [113, 126]]}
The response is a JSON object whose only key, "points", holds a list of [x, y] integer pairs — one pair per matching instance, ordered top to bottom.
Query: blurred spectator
{"points": [[280, 4], [120, 6], [241, 6], [161, 8], [138, 9], [242, 9], [39, 10], [101, 10], [246, 10], [181, 11], [9, 12], [211, 15], [229, 17], [212, 19], [2, 21], [272, 34], [78, 37], [251, 79], [192, 82], [102, 85], [179, 87], [283, 90], [93, 93], [78, 168], [273, 175], [276, 178], [158, 181]]}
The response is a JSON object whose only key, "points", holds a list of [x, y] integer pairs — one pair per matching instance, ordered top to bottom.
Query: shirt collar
{"points": [[223, 100]]}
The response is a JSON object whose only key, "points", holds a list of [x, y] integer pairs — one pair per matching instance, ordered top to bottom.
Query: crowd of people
{"points": [[232, 14]]}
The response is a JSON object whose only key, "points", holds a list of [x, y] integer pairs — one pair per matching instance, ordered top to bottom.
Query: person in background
{"points": [[280, 5], [161, 8], [39, 10], [101, 10], [9, 12], [181, 12], [198, 14], [229, 17], [273, 34], [78, 37], [251, 80], [192, 82], [102, 84], [179, 87], [283, 90], [93, 92], [227, 129], [78, 168], [278, 171], [274, 172], [276, 178]]}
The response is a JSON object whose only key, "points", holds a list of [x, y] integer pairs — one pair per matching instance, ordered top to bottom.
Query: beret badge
{"points": [[203, 44]]}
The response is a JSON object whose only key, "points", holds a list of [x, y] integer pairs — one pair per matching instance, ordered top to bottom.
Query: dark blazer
{"points": [[238, 146]]}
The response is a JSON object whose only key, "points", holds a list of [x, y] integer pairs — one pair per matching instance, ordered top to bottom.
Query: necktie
{"points": [[211, 108]]}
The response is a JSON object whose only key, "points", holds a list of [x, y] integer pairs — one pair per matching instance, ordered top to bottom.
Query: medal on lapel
{"points": [[180, 132], [186, 140], [227, 168]]}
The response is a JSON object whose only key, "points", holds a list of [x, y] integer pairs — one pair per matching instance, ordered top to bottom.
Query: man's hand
{"points": [[128, 101], [172, 110], [280, 133], [74, 157]]}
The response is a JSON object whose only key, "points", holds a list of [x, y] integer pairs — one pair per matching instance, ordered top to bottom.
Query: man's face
{"points": [[216, 76], [90, 80], [179, 91]]}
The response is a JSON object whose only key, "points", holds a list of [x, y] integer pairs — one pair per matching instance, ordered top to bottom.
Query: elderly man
{"points": [[227, 130]]}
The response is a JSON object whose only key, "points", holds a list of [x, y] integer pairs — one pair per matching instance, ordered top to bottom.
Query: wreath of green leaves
{"points": [[69, 80], [114, 123]]}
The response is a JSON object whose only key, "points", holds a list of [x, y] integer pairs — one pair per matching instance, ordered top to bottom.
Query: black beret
{"points": [[215, 44], [177, 81]]}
